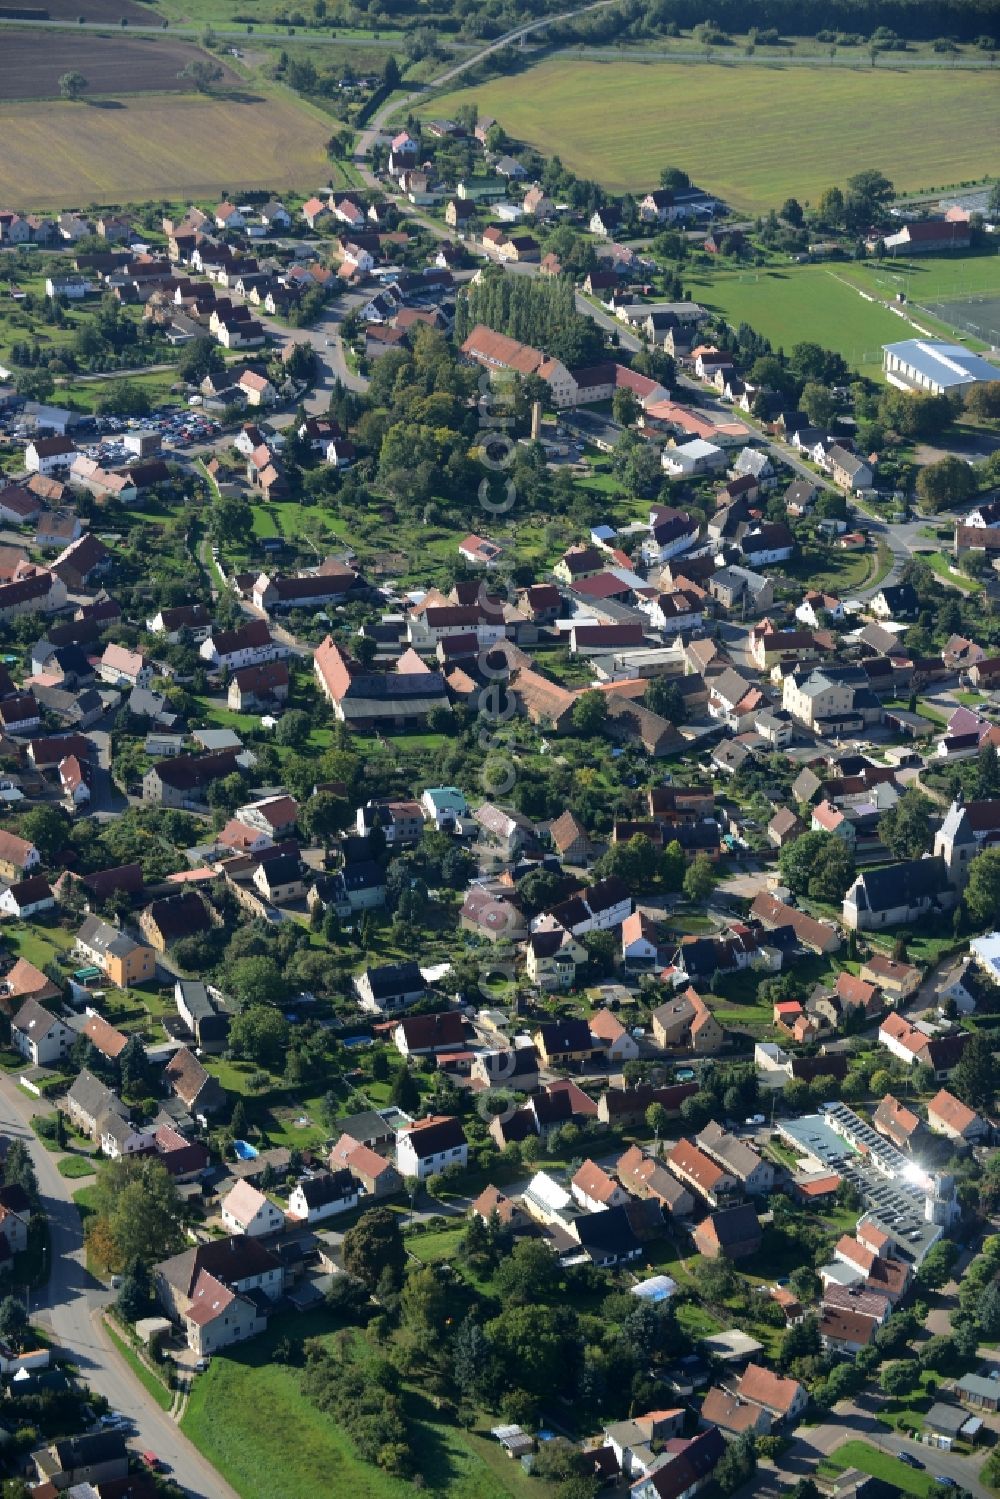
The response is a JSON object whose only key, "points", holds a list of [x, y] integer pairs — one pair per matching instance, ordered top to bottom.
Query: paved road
{"points": [[69, 1306], [853, 1419]]}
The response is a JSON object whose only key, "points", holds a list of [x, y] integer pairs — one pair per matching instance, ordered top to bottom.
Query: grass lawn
{"points": [[586, 112], [159, 145], [930, 278], [790, 302], [940, 566], [38, 944], [76, 1166], [432, 1248], [149, 1381], [250, 1418], [879, 1464]]}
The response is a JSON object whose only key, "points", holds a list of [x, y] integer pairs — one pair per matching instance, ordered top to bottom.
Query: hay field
{"points": [[752, 133], [156, 146]]}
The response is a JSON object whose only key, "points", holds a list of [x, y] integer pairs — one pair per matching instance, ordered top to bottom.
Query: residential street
{"points": [[69, 1306], [852, 1419]]}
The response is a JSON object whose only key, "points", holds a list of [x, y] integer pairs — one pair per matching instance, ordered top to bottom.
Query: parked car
{"points": [[910, 1460]]}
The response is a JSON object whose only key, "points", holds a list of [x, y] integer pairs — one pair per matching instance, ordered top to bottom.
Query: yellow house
{"points": [[117, 955], [553, 958], [564, 1043]]}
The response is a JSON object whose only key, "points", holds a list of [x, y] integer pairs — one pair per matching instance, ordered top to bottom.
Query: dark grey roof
{"points": [[901, 884], [394, 978], [94, 1098], [327, 1186], [736, 1225], [608, 1232]]}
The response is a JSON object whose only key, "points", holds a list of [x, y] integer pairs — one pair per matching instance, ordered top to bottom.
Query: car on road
{"points": [[202, 1365], [909, 1459], [152, 1462], [945, 1481]]}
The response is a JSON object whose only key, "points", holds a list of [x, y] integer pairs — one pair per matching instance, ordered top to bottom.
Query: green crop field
{"points": [[754, 135], [159, 146]]}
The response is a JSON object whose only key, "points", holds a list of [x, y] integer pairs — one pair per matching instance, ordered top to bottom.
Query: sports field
{"points": [[754, 134], [159, 146], [961, 290], [803, 303]]}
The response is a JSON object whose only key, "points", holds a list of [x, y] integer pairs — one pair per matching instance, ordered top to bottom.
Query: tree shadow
{"points": [[103, 103]]}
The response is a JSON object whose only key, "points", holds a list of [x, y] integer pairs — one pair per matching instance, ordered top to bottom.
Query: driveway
{"points": [[69, 1307]]}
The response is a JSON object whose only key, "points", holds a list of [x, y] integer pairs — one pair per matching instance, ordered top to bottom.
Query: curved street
{"points": [[69, 1307]]}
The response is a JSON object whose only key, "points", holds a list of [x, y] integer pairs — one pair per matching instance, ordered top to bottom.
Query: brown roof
{"points": [[566, 829], [14, 849], [25, 979], [109, 1041], [951, 1111], [701, 1169], [593, 1181], [846, 1327], [769, 1389]]}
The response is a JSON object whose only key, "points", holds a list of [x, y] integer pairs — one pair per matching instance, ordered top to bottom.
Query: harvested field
{"points": [[97, 11], [31, 64], [160, 146]]}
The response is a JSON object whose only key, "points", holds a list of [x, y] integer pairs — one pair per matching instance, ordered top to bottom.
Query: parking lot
{"points": [[102, 437]]}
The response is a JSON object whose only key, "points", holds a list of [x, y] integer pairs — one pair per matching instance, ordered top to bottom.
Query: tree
{"points": [[201, 73], [390, 74], [72, 85], [674, 180], [869, 194], [831, 208], [791, 212], [201, 357], [983, 400], [817, 402], [625, 407], [947, 483], [664, 697], [590, 712], [293, 729], [987, 773], [48, 829], [905, 829], [817, 864], [700, 879], [982, 893], [256, 981], [259, 1033], [134, 1068], [975, 1076], [404, 1092], [657, 1119], [19, 1169], [137, 1213], [374, 1247], [936, 1265], [528, 1275], [805, 1283], [135, 1292], [13, 1321], [472, 1361], [897, 1378], [737, 1464]]}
